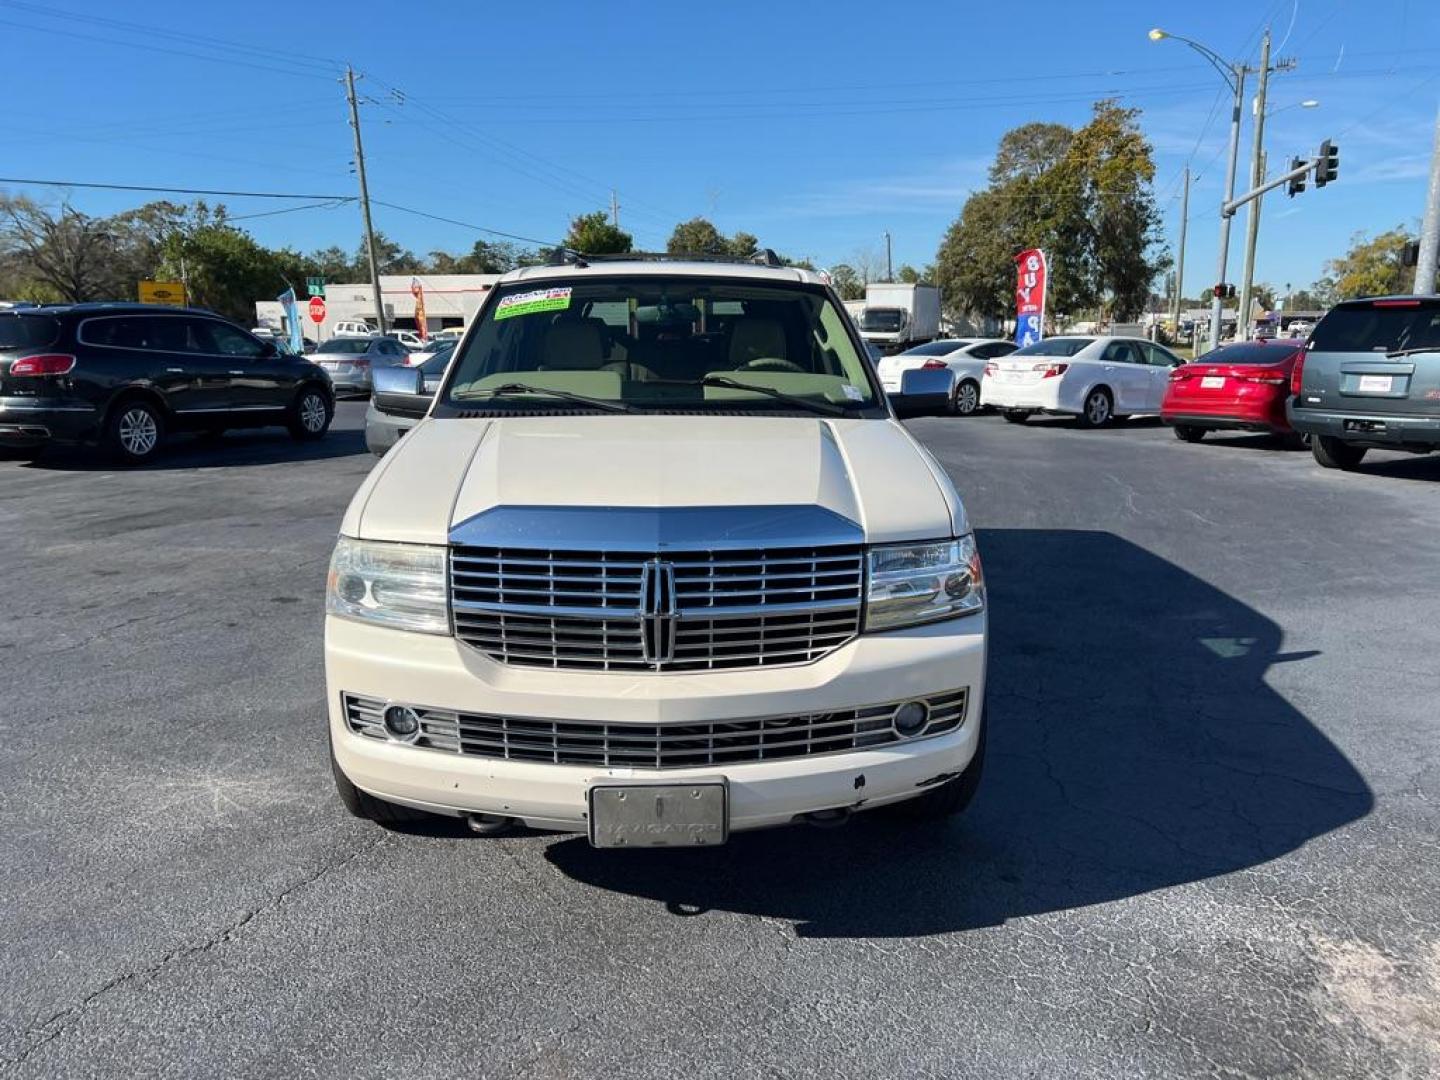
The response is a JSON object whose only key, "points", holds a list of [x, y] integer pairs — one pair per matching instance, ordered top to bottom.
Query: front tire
{"points": [[965, 401], [1098, 410], [310, 415], [1017, 416], [134, 432], [1189, 433], [1333, 453], [952, 797], [363, 805]]}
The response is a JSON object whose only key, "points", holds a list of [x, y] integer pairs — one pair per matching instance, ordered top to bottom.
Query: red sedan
{"points": [[1240, 387]]}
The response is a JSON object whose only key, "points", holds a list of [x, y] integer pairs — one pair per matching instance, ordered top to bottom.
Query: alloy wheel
{"points": [[967, 399], [1097, 409], [312, 413], [138, 432]]}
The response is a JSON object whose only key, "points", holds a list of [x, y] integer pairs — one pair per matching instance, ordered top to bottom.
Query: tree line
{"points": [[1085, 195]]}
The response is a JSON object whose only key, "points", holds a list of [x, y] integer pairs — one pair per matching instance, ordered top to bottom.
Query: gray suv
{"points": [[1370, 378]]}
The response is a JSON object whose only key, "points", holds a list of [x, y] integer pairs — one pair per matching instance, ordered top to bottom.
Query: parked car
{"points": [[353, 328], [1300, 328], [411, 340], [416, 357], [963, 358], [349, 360], [127, 375], [1094, 378], [1370, 378], [1241, 387], [401, 398], [659, 565]]}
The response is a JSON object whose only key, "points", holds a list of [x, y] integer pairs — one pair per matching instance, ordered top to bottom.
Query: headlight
{"points": [[919, 583], [396, 585]]}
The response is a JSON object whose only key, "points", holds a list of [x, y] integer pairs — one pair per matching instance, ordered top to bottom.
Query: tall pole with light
{"points": [[1234, 76]]}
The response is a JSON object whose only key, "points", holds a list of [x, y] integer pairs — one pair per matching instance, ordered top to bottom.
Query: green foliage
{"points": [[1084, 196], [593, 234], [699, 236], [1372, 267], [908, 274], [847, 282]]}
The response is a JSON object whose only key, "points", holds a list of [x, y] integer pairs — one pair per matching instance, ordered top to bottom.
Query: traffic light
{"points": [[1327, 165], [1297, 183], [1223, 291]]}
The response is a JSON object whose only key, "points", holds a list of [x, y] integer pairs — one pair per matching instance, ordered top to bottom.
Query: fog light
{"points": [[911, 718], [402, 722]]}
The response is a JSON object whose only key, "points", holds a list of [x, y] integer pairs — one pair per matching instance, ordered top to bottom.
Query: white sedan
{"points": [[964, 358], [1094, 378]]}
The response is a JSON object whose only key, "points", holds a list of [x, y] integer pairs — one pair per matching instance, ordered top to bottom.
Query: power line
{"points": [[172, 190], [329, 204], [466, 224]]}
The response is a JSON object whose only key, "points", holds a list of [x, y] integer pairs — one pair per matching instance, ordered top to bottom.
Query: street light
{"points": [[1234, 76], [1308, 103]]}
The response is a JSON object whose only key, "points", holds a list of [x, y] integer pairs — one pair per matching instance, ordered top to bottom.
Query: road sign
{"points": [[315, 286], [162, 292], [317, 310]]}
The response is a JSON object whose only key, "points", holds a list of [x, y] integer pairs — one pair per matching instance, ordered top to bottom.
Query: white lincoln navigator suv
{"points": [[658, 565]]}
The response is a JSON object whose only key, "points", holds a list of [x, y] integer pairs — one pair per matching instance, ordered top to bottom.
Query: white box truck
{"points": [[897, 315]]}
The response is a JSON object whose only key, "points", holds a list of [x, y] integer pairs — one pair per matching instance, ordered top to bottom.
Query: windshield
{"points": [[886, 320], [1380, 326], [27, 331], [653, 343], [345, 345], [1055, 346], [936, 348], [1248, 353], [438, 359]]}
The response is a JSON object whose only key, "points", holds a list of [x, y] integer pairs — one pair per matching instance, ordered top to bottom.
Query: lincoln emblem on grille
{"points": [[657, 612]]}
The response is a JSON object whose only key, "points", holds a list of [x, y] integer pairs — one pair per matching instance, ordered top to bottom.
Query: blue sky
{"points": [[816, 126]]}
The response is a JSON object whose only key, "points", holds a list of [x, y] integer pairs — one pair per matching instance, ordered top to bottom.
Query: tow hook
{"points": [[828, 819], [489, 824]]}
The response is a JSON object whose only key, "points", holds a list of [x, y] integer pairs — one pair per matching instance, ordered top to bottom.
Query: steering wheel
{"points": [[770, 363]]}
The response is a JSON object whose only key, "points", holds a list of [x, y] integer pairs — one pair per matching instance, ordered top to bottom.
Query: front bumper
{"points": [[30, 422], [1420, 433], [440, 672]]}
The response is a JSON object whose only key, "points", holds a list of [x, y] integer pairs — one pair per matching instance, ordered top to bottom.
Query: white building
{"points": [[450, 300]]}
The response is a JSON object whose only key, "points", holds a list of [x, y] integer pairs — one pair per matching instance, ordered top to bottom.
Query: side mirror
{"points": [[397, 380]]}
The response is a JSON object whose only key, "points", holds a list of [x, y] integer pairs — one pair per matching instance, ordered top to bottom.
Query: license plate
{"points": [[1212, 382], [1376, 384], [658, 815]]}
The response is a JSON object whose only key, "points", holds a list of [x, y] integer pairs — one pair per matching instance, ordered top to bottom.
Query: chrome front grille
{"points": [[678, 611], [658, 746]]}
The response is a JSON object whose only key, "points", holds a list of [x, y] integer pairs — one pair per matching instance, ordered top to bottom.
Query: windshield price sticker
{"points": [[532, 303], [852, 392]]}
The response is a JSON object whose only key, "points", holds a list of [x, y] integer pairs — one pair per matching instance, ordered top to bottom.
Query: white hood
{"points": [[447, 471]]}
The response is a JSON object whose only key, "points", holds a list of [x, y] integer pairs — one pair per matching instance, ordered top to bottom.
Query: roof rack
{"points": [[564, 257]]}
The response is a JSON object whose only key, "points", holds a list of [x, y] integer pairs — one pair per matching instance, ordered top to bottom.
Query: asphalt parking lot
{"points": [[1206, 843]]}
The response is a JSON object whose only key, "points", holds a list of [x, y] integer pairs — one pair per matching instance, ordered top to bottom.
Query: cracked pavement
{"points": [[1205, 844]]}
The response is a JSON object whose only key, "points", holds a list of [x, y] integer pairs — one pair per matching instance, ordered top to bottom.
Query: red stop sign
{"points": [[317, 309]]}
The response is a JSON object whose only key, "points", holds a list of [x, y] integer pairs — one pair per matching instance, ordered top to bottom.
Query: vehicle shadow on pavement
{"points": [[233, 449], [1134, 745]]}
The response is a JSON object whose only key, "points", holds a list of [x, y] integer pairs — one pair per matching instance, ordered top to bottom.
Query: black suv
{"points": [[125, 375], [1370, 377]]}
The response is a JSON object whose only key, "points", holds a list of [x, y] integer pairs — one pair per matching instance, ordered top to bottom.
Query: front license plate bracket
{"points": [[659, 815]]}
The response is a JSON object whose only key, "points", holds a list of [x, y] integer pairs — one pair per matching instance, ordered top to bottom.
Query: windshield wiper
{"points": [[1412, 351], [513, 388], [828, 408]]}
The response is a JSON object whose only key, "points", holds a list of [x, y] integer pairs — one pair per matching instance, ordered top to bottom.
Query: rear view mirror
{"points": [[397, 380]]}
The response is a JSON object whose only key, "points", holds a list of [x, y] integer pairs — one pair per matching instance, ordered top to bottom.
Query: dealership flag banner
{"points": [[1030, 282], [418, 291], [292, 320]]}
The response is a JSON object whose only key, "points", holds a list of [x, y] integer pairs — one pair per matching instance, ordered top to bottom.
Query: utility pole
{"points": [[1257, 176], [365, 200], [614, 209], [1180, 263], [889, 266], [1425, 266], [1217, 304]]}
